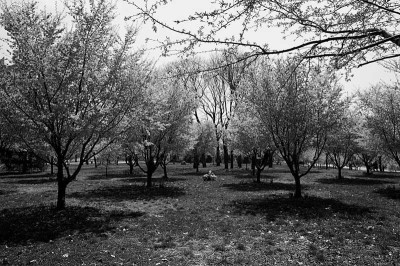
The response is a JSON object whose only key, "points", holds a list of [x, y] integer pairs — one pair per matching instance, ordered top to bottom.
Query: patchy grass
{"points": [[114, 219]]}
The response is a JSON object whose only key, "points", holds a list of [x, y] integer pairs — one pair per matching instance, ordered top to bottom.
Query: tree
{"points": [[348, 31], [68, 89], [217, 93], [298, 104], [382, 116], [162, 124], [204, 136], [252, 138], [341, 144], [368, 149], [109, 154]]}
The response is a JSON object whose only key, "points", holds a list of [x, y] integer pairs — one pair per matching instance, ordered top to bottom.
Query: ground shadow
{"points": [[32, 175], [114, 175], [248, 175], [379, 175], [157, 180], [36, 181], [352, 181], [263, 186], [7, 192], [131, 192], [390, 192], [305, 208], [44, 223]]}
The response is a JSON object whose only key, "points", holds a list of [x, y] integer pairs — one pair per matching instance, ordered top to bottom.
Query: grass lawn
{"points": [[116, 220]]}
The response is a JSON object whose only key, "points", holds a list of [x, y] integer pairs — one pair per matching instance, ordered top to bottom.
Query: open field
{"points": [[116, 220]]}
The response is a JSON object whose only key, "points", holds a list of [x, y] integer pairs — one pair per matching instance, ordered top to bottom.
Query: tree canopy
{"points": [[350, 32]]}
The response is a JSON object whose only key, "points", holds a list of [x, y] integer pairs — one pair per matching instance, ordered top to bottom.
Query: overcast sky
{"points": [[179, 9]]}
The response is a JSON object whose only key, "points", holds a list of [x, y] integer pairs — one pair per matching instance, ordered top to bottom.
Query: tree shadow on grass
{"points": [[194, 173], [114, 175], [248, 175], [379, 175], [20, 176], [157, 180], [35, 181], [352, 181], [254, 186], [7, 192], [131, 192], [390, 192], [305, 208], [44, 223]]}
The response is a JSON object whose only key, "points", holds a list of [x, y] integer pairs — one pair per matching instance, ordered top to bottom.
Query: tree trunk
{"points": [[226, 156], [218, 157], [231, 159], [196, 160], [203, 160], [95, 161], [239, 161], [326, 161], [24, 162], [52, 165], [253, 165], [380, 165], [164, 166], [367, 166], [131, 167], [340, 173], [258, 175], [149, 178], [62, 186], [297, 192]]}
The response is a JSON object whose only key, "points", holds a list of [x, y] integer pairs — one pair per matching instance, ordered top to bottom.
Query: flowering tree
{"points": [[69, 89], [298, 104], [382, 110], [162, 125], [252, 138], [204, 139], [342, 144]]}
